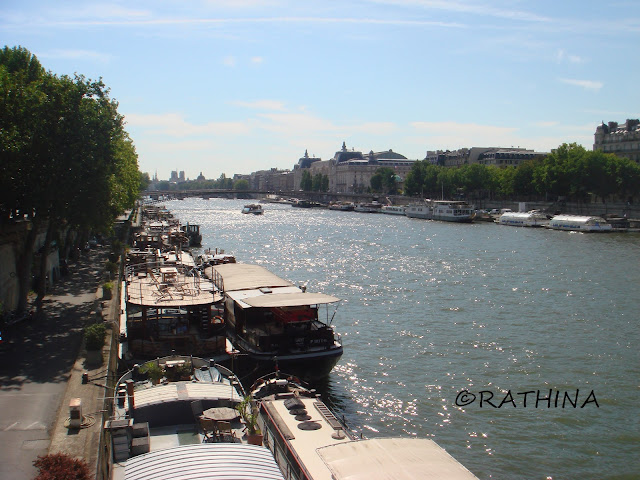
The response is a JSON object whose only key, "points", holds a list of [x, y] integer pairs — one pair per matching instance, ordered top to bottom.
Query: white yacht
{"points": [[393, 209], [446, 210], [533, 218], [579, 223]]}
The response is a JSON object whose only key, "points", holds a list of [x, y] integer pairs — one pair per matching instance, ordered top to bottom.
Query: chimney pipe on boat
{"points": [[130, 396]]}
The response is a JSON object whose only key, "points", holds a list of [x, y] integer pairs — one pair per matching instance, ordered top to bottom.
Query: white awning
{"points": [[289, 299], [392, 459], [205, 461]]}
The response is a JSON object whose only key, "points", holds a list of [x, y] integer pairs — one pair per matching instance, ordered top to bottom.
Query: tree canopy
{"points": [[67, 164], [568, 171]]}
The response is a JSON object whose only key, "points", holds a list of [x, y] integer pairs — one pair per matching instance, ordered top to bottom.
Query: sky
{"points": [[236, 86]]}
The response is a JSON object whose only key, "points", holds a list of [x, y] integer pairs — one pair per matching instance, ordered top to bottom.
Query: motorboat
{"points": [[369, 207], [254, 208], [393, 209], [445, 210], [532, 218], [579, 223], [270, 320], [180, 416], [309, 441]]}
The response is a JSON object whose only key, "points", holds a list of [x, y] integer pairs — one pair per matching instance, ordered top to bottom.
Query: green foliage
{"points": [[67, 160], [568, 171], [385, 180], [306, 183], [241, 184], [94, 336], [152, 370], [249, 414], [59, 466]]}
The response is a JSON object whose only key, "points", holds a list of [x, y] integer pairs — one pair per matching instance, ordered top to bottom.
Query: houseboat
{"points": [[370, 207], [254, 208], [393, 209], [445, 210], [533, 218], [579, 223], [210, 257], [169, 307], [271, 321], [180, 417], [309, 442]]}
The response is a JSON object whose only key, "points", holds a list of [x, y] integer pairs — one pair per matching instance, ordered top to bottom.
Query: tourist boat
{"points": [[296, 202], [342, 206], [370, 207], [253, 208], [393, 209], [446, 210], [533, 218], [579, 223], [169, 307], [269, 320], [179, 417], [309, 442]]}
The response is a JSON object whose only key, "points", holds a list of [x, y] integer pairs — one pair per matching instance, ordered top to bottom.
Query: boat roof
{"points": [[578, 218], [244, 276], [147, 289], [290, 299], [185, 391], [392, 459], [210, 461]]}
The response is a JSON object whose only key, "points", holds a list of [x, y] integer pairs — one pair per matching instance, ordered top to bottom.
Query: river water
{"points": [[435, 313]]}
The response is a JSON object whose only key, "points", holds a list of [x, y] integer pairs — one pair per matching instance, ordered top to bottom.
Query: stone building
{"points": [[622, 140], [495, 156], [350, 171]]}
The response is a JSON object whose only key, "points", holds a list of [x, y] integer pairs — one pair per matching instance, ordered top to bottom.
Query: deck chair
{"points": [[209, 430], [225, 431]]}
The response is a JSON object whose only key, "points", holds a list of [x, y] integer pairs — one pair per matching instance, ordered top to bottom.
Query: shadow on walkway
{"points": [[44, 349]]}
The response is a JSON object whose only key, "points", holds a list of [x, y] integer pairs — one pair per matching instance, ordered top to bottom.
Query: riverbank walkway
{"points": [[41, 372]]}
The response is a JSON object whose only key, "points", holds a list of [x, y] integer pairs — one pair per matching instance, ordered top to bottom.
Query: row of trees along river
{"points": [[68, 166]]}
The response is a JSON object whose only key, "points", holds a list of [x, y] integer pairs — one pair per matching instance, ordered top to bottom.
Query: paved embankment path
{"points": [[37, 363]]}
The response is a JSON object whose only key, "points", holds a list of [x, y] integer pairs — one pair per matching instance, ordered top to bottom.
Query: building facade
{"points": [[622, 140], [489, 156]]}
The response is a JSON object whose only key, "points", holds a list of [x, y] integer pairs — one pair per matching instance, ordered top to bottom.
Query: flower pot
{"points": [[255, 439]]}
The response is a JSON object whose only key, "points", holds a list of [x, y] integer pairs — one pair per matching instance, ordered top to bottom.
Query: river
{"points": [[526, 321]]}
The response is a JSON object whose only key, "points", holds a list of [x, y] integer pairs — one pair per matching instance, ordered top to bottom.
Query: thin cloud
{"points": [[469, 7], [562, 56], [229, 61], [586, 84], [262, 105], [174, 125]]}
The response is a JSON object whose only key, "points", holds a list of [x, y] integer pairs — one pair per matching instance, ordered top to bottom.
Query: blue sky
{"points": [[234, 86]]}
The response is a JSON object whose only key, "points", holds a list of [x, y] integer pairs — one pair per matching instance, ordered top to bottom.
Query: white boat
{"points": [[343, 206], [371, 207], [253, 208], [393, 209], [446, 210], [533, 218], [579, 223], [269, 320], [179, 417], [309, 442]]}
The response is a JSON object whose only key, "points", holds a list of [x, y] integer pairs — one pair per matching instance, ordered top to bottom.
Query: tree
{"points": [[67, 162], [306, 183], [241, 184]]}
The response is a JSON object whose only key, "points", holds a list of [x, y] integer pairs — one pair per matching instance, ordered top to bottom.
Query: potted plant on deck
{"points": [[249, 414]]}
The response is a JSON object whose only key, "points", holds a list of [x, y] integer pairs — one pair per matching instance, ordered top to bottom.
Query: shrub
{"points": [[94, 336], [59, 466]]}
